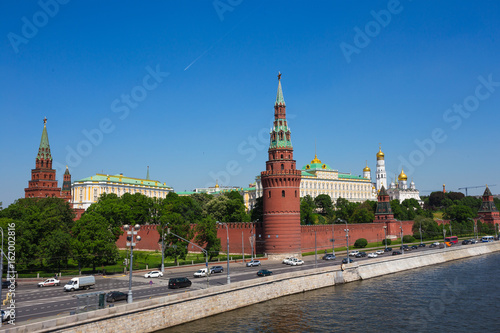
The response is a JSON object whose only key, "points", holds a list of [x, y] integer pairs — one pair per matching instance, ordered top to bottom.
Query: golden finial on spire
{"points": [[279, 75], [45, 121]]}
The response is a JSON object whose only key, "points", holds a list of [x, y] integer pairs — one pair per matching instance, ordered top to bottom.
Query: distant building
{"points": [[43, 183], [399, 189], [87, 191], [248, 193], [488, 212]]}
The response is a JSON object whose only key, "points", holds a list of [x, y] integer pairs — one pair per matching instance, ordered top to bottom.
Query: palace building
{"points": [[87, 191]]}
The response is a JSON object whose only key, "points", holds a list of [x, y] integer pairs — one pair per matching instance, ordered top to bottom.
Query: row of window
{"points": [[333, 186], [118, 191]]}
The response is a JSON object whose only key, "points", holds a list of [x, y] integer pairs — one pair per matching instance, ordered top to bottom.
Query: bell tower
{"points": [[281, 189]]}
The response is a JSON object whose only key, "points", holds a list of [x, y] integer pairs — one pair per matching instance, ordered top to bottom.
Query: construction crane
{"points": [[465, 188]]}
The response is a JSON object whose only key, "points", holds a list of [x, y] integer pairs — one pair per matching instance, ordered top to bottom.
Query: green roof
{"points": [[279, 94], [44, 149], [317, 166], [350, 176], [123, 180]]}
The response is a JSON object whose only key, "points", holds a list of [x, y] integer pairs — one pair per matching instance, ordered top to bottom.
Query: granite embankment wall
{"points": [[154, 314]]}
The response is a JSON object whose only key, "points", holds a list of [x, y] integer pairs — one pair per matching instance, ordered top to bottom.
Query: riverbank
{"points": [[162, 312]]}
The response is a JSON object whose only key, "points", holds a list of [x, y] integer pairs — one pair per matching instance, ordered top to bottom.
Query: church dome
{"points": [[380, 154], [366, 169], [402, 176]]}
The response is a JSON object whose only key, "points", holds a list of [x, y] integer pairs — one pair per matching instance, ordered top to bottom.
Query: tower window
{"points": [[281, 156], [282, 167], [283, 193], [295, 193], [269, 194]]}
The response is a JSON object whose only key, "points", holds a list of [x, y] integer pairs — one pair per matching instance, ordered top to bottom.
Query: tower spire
{"points": [[279, 95], [44, 149]]}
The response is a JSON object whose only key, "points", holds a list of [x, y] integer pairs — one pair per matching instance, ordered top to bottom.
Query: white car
{"points": [[379, 252], [353, 253], [372, 255], [285, 261], [288, 261], [296, 262], [153, 274], [49, 282], [5, 315]]}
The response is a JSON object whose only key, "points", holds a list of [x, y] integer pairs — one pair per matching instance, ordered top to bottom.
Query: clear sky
{"points": [[188, 88]]}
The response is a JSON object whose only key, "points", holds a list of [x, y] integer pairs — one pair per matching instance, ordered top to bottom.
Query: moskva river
{"points": [[458, 296]]}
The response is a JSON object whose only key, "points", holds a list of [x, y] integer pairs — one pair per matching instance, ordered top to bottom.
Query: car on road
{"points": [[473, 241], [466, 242], [421, 245], [433, 245], [405, 247], [414, 247], [389, 249], [379, 252], [353, 253], [394, 253], [360, 255], [372, 255], [329, 256], [286, 260], [347, 260], [296, 262], [253, 263], [216, 269], [202, 272], [264, 272], [153, 274], [180, 282], [49, 283], [6, 284], [114, 296], [5, 315]]}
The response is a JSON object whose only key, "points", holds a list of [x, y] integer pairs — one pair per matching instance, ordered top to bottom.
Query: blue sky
{"points": [[420, 77]]}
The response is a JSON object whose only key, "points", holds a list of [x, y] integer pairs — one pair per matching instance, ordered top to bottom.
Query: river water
{"points": [[456, 296]]}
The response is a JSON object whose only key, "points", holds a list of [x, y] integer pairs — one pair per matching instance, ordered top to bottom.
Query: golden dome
{"points": [[380, 154], [316, 160], [366, 169], [402, 175]]}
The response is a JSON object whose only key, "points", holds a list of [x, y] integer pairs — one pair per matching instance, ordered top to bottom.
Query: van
{"points": [[200, 273], [182, 282], [78, 283]]}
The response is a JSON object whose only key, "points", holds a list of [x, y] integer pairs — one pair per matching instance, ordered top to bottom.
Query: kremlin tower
{"points": [[380, 173], [43, 183], [281, 189], [488, 212]]}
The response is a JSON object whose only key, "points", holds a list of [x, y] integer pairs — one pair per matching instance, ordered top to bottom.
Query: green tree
{"points": [[202, 199], [435, 199], [324, 204], [307, 207], [344, 208], [400, 212], [459, 213], [257, 214], [362, 214], [430, 228], [206, 234], [94, 242], [360, 243], [175, 248]]}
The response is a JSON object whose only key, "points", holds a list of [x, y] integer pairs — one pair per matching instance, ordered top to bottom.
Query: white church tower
{"points": [[367, 172], [380, 173]]}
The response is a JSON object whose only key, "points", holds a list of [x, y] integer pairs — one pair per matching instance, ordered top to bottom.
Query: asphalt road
{"points": [[33, 303]]}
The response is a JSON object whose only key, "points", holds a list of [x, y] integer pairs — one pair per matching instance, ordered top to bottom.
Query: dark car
{"points": [[465, 242], [421, 245], [404, 247], [414, 247], [389, 249], [395, 253], [361, 255], [329, 256], [344, 261], [216, 269], [264, 272], [175, 283], [6, 284], [114, 296]]}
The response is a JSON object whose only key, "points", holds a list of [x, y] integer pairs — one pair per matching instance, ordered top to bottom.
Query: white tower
{"points": [[367, 172], [380, 174], [403, 180]]}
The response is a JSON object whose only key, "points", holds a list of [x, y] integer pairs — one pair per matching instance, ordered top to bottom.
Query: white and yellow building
{"points": [[319, 178], [86, 191]]}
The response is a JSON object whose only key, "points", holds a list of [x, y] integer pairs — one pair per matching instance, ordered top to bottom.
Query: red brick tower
{"points": [[43, 181], [66, 189], [281, 189], [384, 210], [488, 212]]}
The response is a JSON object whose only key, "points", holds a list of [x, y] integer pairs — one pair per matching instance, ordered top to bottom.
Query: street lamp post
{"points": [[385, 239], [346, 240], [130, 242], [227, 242], [402, 247], [163, 249]]}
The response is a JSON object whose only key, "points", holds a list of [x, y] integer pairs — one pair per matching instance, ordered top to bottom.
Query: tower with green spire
{"points": [[43, 181], [281, 189]]}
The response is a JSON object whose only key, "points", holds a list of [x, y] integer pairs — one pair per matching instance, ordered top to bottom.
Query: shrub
{"points": [[408, 239], [388, 241], [360, 243]]}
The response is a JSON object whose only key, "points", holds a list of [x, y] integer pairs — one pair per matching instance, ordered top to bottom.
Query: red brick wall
{"points": [[373, 232]]}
